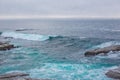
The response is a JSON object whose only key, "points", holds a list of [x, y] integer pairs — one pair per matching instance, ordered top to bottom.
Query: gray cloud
{"points": [[106, 8]]}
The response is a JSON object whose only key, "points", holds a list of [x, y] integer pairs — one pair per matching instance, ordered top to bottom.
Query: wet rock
{"points": [[23, 29], [8, 37], [6, 46], [104, 50], [115, 73], [14, 74], [17, 76], [13, 78]]}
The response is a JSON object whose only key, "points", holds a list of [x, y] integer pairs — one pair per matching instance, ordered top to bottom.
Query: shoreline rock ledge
{"points": [[6, 46], [104, 50], [114, 73], [17, 76]]}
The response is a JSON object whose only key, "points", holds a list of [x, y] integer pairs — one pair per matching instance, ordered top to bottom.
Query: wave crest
{"points": [[33, 37]]}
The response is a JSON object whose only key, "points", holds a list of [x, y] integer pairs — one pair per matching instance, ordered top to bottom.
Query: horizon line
{"points": [[56, 17]]}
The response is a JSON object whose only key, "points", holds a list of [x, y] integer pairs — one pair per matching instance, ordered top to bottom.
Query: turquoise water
{"points": [[54, 49], [58, 58], [39, 65]]}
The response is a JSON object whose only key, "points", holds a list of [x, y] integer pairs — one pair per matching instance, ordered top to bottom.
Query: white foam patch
{"points": [[111, 30], [34, 37], [106, 44], [111, 55], [115, 55], [63, 71]]}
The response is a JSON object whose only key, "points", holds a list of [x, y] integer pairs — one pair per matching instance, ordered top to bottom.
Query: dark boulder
{"points": [[23, 29], [6, 46], [104, 50], [115, 73], [13, 74], [17, 76]]}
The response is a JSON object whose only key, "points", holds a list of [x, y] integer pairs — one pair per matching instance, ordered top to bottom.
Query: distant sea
{"points": [[54, 48]]}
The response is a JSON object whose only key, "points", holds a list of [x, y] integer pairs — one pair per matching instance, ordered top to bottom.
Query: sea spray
{"points": [[33, 37]]}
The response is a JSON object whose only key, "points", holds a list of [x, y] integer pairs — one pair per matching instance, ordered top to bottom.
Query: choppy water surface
{"points": [[55, 49]]}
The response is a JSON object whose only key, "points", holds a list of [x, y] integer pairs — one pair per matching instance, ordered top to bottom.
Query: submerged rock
{"points": [[23, 29], [6, 46], [104, 50], [115, 73], [17, 76]]}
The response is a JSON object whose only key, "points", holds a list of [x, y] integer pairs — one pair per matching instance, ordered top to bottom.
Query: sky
{"points": [[59, 8]]}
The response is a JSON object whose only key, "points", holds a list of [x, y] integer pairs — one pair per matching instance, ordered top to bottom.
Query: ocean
{"points": [[54, 48]]}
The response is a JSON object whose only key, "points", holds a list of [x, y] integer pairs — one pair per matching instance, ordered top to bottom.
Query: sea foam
{"points": [[34, 37], [106, 44], [69, 72]]}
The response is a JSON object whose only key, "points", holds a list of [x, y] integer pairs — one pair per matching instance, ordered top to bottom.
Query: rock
{"points": [[23, 29], [0, 33], [3, 43], [6, 46], [104, 50], [115, 73], [13, 74], [17, 76], [13, 78]]}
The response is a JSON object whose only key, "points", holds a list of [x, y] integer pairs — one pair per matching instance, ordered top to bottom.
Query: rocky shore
{"points": [[104, 50], [114, 73], [17, 76]]}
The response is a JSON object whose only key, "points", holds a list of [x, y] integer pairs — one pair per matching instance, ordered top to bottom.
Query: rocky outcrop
{"points": [[6, 46], [104, 50], [115, 73], [14, 74], [17, 76]]}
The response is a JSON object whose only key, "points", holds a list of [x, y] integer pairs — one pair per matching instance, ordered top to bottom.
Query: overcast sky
{"points": [[78, 8]]}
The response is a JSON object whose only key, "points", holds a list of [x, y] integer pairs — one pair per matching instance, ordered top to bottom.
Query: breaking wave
{"points": [[33, 37], [106, 44], [69, 72]]}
